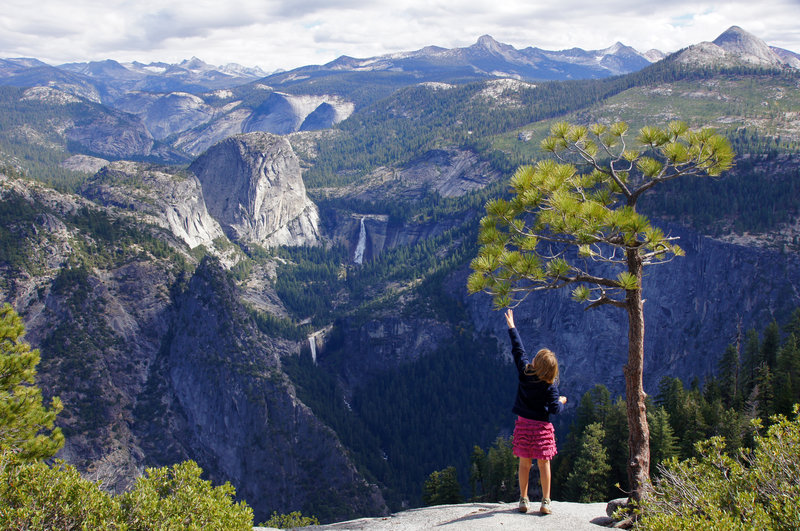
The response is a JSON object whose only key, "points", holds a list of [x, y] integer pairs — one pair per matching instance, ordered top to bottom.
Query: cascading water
{"points": [[362, 244], [312, 342]]}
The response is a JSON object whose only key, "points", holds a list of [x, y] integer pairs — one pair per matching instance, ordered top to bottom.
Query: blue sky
{"points": [[275, 34]]}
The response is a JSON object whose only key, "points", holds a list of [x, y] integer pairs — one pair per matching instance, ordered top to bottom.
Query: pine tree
{"points": [[567, 228], [771, 345], [751, 361], [729, 377], [764, 392], [787, 392], [26, 426], [616, 443], [663, 443], [477, 466], [501, 477], [588, 481], [442, 488]]}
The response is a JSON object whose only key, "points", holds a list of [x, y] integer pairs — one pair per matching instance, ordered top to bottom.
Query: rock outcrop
{"points": [[734, 47], [285, 113], [166, 114], [446, 172], [252, 185], [167, 198], [156, 365], [237, 413], [571, 516]]}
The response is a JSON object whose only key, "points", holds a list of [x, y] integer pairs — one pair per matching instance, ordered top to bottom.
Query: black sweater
{"points": [[536, 400]]}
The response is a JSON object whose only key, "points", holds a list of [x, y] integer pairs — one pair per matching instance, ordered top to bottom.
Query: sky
{"points": [[285, 34]]}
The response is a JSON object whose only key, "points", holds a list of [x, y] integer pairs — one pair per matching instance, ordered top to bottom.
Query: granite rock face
{"points": [[734, 47], [252, 185], [166, 197], [693, 306], [156, 365], [237, 413]]}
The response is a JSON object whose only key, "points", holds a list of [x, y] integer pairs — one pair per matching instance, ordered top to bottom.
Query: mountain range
{"points": [[185, 258]]}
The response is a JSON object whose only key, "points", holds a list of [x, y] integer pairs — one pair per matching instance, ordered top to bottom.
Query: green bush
{"points": [[442, 488], [759, 490], [34, 495], [37, 496], [176, 497], [290, 521]]}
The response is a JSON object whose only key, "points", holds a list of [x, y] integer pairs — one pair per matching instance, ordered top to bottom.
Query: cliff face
{"points": [[253, 187], [168, 199], [381, 232], [693, 306], [156, 365], [237, 413]]}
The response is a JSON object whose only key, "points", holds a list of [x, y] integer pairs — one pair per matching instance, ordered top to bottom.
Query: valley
{"points": [[173, 273]]}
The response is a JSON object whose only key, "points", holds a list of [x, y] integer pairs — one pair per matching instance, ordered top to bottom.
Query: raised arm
{"points": [[510, 318], [517, 350]]}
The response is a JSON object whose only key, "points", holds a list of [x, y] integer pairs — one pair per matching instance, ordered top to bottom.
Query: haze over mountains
{"points": [[179, 281]]}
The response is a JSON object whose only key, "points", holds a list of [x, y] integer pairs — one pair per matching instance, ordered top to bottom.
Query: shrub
{"points": [[760, 490], [34, 495], [176, 497], [290, 521]]}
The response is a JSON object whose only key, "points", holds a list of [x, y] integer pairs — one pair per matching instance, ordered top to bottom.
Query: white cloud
{"points": [[286, 34]]}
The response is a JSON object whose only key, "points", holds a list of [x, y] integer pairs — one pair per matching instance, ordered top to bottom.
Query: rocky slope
{"points": [[734, 47], [166, 197], [157, 361]]}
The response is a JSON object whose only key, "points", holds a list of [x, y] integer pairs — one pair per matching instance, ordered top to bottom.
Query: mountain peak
{"points": [[736, 37], [487, 40], [489, 43], [733, 46], [746, 46], [194, 63]]}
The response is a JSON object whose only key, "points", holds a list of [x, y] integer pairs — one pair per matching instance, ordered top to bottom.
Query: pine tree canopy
{"points": [[578, 207], [26, 426]]}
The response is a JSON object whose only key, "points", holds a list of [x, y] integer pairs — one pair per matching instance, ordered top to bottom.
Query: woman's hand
{"points": [[510, 318], [562, 399]]}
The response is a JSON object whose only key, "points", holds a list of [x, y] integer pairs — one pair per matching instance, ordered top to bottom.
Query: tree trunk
{"points": [[639, 433]]}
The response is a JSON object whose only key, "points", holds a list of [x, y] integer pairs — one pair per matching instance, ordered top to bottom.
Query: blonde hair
{"points": [[544, 366]]}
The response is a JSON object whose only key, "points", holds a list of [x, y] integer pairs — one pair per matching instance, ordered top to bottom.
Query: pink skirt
{"points": [[534, 439]]}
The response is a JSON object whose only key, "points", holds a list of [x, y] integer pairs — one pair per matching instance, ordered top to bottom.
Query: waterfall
{"points": [[362, 244], [312, 342]]}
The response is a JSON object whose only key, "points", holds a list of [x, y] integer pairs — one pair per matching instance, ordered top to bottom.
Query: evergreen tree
{"points": [[567, 228], [771, 345], [751, 361], [728, 377], [764, 392], [787, 392], [672, 397], [26, 426], [732, 428], [616, 443], [663, 443], [477, 466], [501, 475], [588, 481], [442, 488]]}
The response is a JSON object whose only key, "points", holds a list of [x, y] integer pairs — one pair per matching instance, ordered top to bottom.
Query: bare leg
{"points": [[524, 475], [544, 476]]}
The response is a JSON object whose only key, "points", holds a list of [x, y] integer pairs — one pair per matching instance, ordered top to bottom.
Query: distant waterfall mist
{"points": [[362, 244]]}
